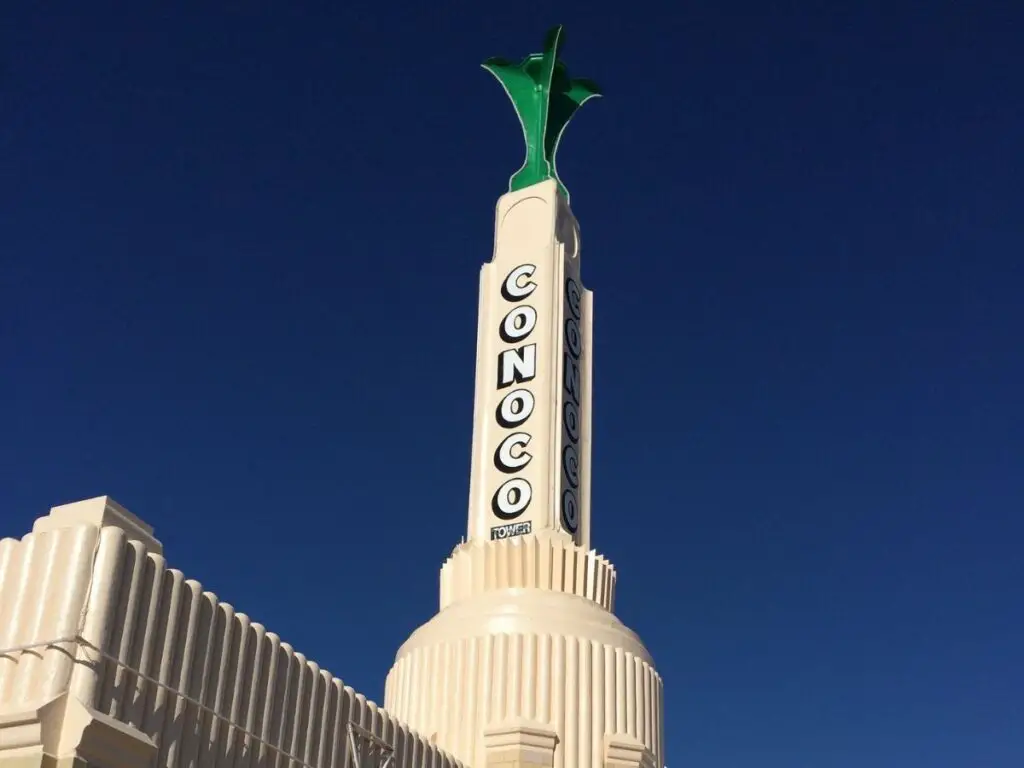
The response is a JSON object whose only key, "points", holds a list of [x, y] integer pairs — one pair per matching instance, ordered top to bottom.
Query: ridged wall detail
{"points": [[540, 561], [44, 581], [151, 618], [549, 679]]}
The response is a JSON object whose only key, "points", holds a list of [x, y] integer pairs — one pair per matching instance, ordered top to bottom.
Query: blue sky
{"points": [[239, 248]]}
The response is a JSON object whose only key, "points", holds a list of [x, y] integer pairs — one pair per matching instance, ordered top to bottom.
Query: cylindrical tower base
{"points": [[528, 654]]}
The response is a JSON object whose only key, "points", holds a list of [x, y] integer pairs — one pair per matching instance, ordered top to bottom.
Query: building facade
{"points": [[108, 657]]}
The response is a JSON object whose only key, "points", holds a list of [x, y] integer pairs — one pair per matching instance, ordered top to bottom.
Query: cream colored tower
{"points": [[525, 662]]}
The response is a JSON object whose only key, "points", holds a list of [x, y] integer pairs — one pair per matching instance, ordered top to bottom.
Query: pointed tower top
{"points": [[545, 99]]}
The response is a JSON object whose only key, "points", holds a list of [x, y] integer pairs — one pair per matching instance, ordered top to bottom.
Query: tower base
{"points": [[529, 658]]}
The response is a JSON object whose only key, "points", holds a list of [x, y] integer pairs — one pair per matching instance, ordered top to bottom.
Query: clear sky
{"points": [[239, 249]]}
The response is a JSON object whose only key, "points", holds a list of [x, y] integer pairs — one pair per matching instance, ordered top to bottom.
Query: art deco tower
{"points": [[525, 662]]}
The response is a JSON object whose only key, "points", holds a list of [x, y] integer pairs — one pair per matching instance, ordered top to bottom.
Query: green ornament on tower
{"points": [[545, 99]]}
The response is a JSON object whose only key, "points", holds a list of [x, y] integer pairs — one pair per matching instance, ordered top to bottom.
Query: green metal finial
{"points": [[545, 99]]}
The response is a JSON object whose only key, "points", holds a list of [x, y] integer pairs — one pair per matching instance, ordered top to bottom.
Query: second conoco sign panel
{"points": [[532, 415]]}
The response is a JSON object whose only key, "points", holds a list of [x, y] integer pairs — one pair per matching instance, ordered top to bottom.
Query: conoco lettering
{"points": [[515, 288], [572, 297], [518, 323], [517, 365], [515, 408], [571, 426], [511, 455], [512, 498]]}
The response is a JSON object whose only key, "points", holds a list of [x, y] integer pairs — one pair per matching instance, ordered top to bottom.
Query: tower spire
{"points": [[545, 99], [525, 664]]}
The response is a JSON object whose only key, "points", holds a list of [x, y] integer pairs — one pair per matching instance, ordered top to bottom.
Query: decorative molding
{"points": [[101, 511], [536, 561], [65, 728], [21, 733], [101, 740], [519, 742], [624, 751]]}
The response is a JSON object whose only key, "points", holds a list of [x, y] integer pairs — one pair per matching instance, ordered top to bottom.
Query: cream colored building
{"points": [[108, 656]]}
